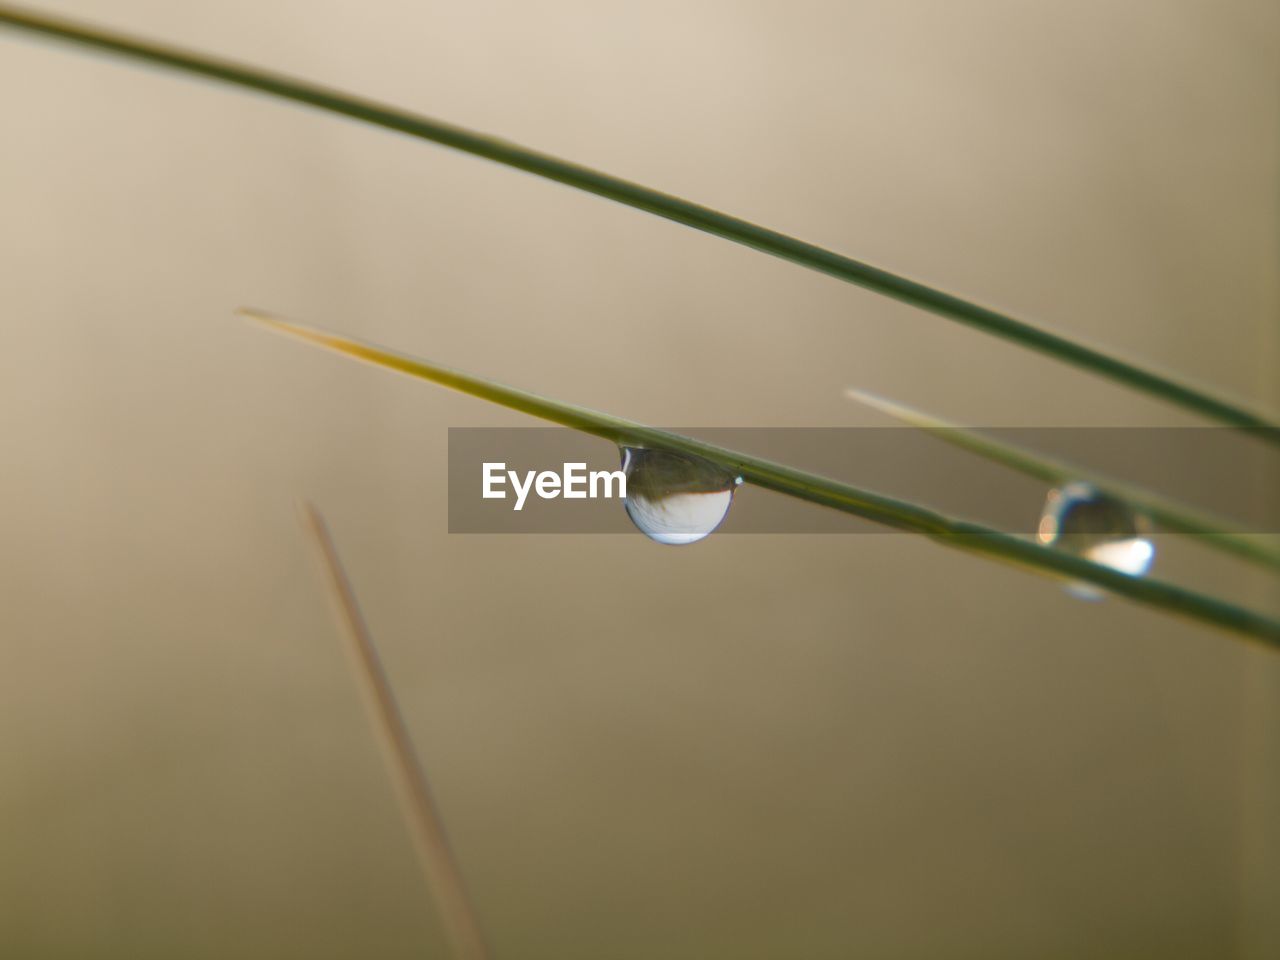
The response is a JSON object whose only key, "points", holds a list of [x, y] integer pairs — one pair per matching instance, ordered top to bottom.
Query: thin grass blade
{"points": [[673, 208], [894, 513], [1173, 516], [435, 854]]}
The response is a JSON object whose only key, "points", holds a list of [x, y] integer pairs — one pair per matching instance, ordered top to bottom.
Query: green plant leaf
{"points": [[655, 202], [898, 514], [1179, 518]]}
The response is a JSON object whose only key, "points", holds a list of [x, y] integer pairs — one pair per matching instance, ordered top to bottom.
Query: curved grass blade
{"points": [[661, 204], [894, 513], [1173, 516], [426, 825]]}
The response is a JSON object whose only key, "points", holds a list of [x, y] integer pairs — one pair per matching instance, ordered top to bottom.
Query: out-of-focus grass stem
{"points": [[1176, 517], [425, 823]]}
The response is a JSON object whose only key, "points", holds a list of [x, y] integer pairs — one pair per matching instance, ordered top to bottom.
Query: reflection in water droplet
{"points": [[673, 497], [1082, 520]]}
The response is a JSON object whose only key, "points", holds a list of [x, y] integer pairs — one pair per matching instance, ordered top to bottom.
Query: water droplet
{"points": [[675, 498], [1083, 521]]}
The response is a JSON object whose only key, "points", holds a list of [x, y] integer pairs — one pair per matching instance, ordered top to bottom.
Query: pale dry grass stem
{"points": [[426, 825]]}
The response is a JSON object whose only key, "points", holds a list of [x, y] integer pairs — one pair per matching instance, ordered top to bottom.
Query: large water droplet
{"points": [[673, 497], [1083, 521]]}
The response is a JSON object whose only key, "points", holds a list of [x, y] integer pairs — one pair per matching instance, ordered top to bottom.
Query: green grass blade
{"points": [[655, 202], [898, 514], [1173, 516]]}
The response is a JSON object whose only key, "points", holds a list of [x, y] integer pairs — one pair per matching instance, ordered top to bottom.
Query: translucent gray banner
{"points": [[1220, 472]]}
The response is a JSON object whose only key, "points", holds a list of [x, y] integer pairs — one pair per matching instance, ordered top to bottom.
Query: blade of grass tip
{"points": [[664, 205], [894, 513], [1176, 517], [425, 823]]}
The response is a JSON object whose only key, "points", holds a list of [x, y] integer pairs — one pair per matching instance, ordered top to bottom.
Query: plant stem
{"points": [[655, 202], [898, 514], [1212, 531], [444, 877]]}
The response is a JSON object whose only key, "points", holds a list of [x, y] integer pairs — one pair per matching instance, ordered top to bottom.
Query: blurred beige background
{"points": [[754, 747]]}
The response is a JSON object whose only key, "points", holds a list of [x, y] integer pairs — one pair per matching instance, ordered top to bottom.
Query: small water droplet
{"points": [[675, 498], [1080, 519]]}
